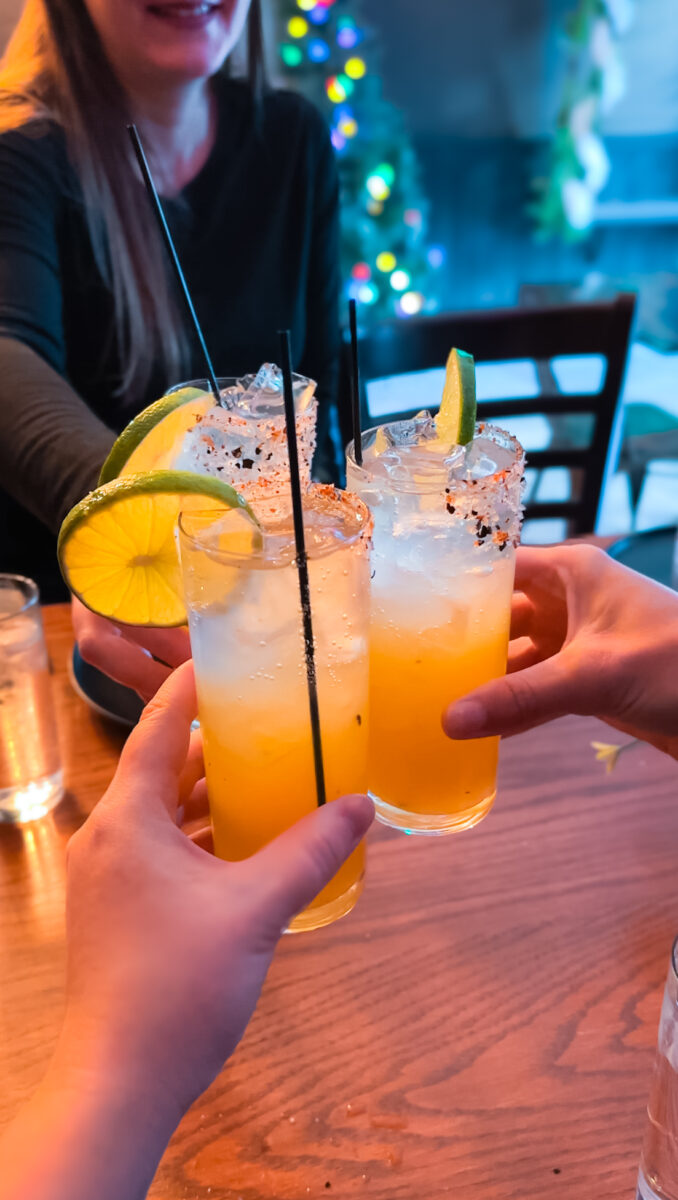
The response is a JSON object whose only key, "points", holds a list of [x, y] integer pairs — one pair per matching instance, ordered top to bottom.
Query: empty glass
{"points": [[658, 1174]]}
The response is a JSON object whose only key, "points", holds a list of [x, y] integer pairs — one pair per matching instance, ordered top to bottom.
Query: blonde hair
{"points": [[55, 68]]}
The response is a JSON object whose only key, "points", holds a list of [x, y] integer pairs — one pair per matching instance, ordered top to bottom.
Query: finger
{"points": [[535, 564], [522, 615], [170, 646], [522, 654], [121, 660], [516, 702], [155, 753], [193, 768], [196, 806], [287, 874]]}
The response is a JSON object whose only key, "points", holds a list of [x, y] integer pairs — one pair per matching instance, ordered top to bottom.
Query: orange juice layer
{"points": [[414, 674], [260, 784]]}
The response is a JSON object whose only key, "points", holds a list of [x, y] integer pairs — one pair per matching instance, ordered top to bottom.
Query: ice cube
{"points": [[262, 394], [410, 432]]}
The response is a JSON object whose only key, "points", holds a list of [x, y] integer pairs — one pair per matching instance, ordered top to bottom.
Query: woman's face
{"points": [[167, 40]]}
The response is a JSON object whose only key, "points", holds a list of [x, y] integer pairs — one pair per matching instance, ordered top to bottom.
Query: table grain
{"points": [[482, 1026]]}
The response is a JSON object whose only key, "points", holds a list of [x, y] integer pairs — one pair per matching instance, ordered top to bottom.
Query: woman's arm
{"points": [[51, 444]]}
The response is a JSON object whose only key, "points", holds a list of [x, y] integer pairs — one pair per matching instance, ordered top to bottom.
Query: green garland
{"points": [[578, 166]]}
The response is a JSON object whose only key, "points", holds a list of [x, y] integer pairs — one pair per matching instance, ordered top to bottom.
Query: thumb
{"points": [[514, 702], [289, 872]]}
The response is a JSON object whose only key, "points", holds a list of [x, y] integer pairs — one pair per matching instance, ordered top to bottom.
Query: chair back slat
{"points": [[539, 335]]}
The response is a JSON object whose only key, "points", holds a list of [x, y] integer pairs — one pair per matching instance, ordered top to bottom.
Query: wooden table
{"points": [[482, 1026]]}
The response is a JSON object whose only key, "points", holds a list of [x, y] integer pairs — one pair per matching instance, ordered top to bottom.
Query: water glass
{"points": [[31, 779], [658, 1174]]}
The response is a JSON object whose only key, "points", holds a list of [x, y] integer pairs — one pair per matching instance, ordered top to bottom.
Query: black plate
{"points": [[649, 552], [106, 697]]}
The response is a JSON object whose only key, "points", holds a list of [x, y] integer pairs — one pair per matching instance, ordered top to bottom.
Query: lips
{"points": [[185, 13]]}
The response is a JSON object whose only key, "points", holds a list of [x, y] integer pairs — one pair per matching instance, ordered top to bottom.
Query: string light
{"points": [[297, 27], [348, 37], [318, 50], [291, 55], [355, 68], [335, 89], [348, 126], [387, 173], [377, 187], [436, 257], [386, 261], [361, 271], [400, 280], [368, 294], [411, 303]]}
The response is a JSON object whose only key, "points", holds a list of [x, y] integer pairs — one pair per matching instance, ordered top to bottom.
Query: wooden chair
{"points": [[401, 347]]}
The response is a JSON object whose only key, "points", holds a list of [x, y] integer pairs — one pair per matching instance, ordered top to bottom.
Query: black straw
{"points": [[164, 229], [355, 385], [302, 565]]}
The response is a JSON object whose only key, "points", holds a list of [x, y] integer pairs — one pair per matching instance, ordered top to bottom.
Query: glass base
{"points": [[32, 800], [433, 824], [327, 914], [645, 1192]]}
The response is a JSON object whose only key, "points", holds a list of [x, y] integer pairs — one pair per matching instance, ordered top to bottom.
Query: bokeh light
{"points": [[306, 5], [319, 15], [297, 27], [348, 37], [318, 50], [291, 55], [355, 68], [335, 89], [348, 126], [377, 187], [413, 217], [436, 257], [386, 261], [361, 270], [400, 280], [368, 294], [411, 303]]}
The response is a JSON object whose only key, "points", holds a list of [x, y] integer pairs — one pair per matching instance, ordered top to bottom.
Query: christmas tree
{"points": [[325, 51]]}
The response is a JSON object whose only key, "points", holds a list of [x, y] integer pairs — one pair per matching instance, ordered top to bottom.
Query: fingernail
{"points": [[467, 718], [360, 811]]}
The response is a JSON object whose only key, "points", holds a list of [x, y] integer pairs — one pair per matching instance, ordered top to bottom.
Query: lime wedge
{"points": [[456, 419], [152, 441], [117, 547]]}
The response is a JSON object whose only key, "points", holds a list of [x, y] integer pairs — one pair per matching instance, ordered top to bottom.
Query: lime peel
{"points": [[456, 419]]}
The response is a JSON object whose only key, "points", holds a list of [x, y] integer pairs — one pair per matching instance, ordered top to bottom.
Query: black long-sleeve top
{"points": [[257, 234]]}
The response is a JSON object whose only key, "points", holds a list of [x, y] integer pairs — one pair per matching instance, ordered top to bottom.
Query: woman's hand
{"points": [[588, 636], [139, 658], [167, 950]]}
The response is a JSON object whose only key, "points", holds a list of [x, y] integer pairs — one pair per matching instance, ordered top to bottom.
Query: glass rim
{"points": [[222, 381], [494, 432], [255, 560], [30, 591]]}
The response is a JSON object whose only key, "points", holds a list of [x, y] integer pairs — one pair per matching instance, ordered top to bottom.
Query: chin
{"points": [[185, 42]]}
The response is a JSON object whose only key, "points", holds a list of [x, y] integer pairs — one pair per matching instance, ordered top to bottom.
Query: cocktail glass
{"points": [[243, 442], [446, 523], [246, 638]]}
